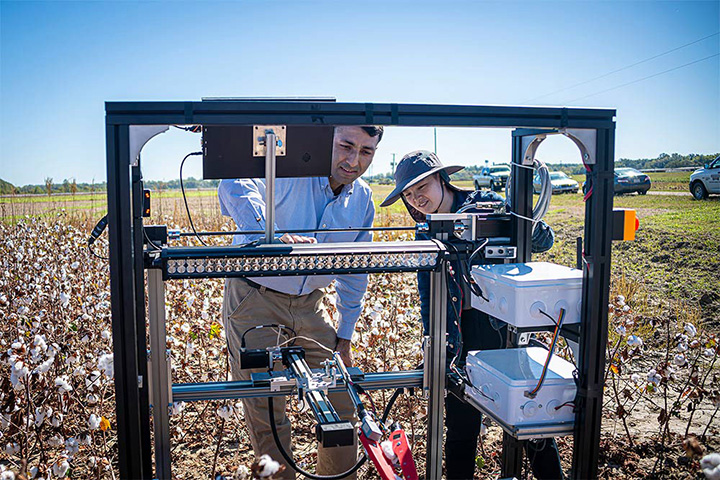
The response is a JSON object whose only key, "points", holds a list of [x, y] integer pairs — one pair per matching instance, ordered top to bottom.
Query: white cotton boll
{"points": [[74, 265], [64, 299], [621, 299], [190, 300], [626, 308], [23, 310], [205, 315], [185, 328], [621, 330], [690, 330], [375, 332], [105, 335], [683, 338], [634, 341], [39, 342], [682, 347], [189, 348], [709, 352], [679, 360], [105, 363], [45, 366], [79, 372], [654, 377], [635, 378], [92, 380], [63, 384], [91, 399], [177, 408], [225, 412], [41, 413], [56, 419], [94, 422], [85, 439], [55, 441], [72, 446], [388, 452], [710, 465], [267, 466], [60, 468], [34, 472], [242, 473], [7, 475]]}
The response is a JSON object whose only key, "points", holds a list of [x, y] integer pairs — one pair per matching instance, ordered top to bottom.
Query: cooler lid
{"points": [[531, 274], [522, 366]]}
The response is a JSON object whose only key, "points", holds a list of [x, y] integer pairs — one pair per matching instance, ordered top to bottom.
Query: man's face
{"points": [[353, 151]]}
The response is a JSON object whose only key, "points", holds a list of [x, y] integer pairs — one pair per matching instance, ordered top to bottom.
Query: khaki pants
{"points": [[245, 307]]}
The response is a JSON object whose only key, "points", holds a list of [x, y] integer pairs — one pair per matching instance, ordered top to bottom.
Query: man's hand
{"points": [[287, 238], [343, 348]]}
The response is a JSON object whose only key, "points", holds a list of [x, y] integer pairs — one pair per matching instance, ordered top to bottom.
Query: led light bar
{"points": [[300, 259]]}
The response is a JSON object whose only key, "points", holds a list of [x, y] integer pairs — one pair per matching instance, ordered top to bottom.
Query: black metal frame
{"points": [[125, 230]]}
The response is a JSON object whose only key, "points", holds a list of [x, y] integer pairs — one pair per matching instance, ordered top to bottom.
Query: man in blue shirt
{"points": [[341, 200]]}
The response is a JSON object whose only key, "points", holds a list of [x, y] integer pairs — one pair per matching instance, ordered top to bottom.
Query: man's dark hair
{"points": [[374, 131]]}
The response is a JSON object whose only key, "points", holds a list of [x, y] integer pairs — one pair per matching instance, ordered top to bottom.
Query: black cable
{"points": [[182, 188], [152, 244], [92, 251], [269, 325], [390, 404], [294, 465]]}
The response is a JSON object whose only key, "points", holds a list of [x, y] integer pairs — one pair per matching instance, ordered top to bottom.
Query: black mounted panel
{"points": [[228, 153]]}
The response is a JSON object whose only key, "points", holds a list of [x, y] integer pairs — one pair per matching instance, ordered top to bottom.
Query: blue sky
{"points": [[60, 61]]}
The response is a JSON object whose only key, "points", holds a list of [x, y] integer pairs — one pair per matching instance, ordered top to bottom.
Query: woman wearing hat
{"points": [[423, 184]]}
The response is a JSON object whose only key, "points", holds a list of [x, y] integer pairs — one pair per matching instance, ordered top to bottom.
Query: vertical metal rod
{"points": [[270, 142], [123, 305], [437, 370], [160, 373]]}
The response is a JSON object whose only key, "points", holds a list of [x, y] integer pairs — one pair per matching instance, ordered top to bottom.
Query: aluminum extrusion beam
{"points": [[327, 113], [594, 314], [436, 367], [193, 392]]}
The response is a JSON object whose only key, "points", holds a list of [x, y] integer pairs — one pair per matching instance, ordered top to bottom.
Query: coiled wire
{"points": [[543, 203]]}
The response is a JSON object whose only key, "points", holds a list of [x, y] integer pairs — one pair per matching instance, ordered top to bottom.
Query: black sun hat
{"points": [[414, 167]]}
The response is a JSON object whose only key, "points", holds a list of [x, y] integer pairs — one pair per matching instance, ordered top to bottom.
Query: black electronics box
{"points": [[228, 152]]}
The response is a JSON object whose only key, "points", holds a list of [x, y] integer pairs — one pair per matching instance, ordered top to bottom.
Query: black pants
{"points": [[463, 421]]}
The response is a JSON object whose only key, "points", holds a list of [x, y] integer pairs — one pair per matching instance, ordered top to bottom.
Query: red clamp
{"points": [[400, 447]]}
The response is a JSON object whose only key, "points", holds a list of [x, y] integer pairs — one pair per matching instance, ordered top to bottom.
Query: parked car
{"points": [[493, 177], [629, 180], [706, 180], [560, 182]]}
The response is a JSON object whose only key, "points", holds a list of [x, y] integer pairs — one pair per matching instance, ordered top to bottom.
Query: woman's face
{"points": [[426, 195]]}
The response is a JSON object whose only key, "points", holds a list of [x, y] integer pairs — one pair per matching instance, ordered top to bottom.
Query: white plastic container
{"points": [[518, 292], [500, 379]]}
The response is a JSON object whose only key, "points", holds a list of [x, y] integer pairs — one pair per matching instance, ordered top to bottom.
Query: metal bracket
{"points": [[259, 135], [139, 136], [586, 141], [530, 145]]}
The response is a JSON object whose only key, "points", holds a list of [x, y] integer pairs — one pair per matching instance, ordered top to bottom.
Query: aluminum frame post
{"points": [[270, 143], [124, 305], [594, 315], [436, 368], [160, 373]]}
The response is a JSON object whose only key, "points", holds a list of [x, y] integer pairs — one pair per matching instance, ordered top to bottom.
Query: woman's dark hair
{"points": [[374, 131]]}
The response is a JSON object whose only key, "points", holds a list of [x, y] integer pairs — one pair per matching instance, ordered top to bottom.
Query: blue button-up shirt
{"points": [[306, 203]]}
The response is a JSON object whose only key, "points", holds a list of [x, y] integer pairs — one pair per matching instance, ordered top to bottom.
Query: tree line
{"points": [[664, 160], [49, 187]]}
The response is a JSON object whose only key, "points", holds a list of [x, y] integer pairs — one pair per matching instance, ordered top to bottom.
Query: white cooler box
{"points": [[517, 292], [501, 377]]}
